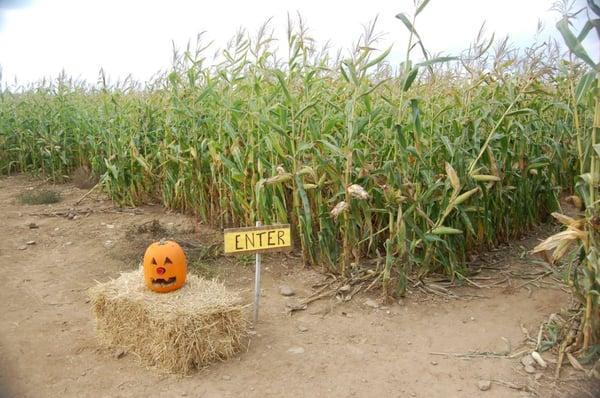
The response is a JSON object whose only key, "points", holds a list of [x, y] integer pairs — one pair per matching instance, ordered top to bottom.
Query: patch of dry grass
{"points": [[40, 197]]}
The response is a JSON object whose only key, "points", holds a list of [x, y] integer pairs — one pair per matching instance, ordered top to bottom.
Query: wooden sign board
{"points": [[261, 239]]}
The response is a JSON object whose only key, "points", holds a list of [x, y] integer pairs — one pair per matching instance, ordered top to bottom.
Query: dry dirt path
{"points": [[48, 346]]}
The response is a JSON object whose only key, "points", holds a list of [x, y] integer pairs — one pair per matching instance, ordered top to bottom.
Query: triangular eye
{"points": [[153, 261], [168, 261]]}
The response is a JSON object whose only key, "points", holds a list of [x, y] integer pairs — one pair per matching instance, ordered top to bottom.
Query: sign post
{"points": [[259, 239], [257, 264]]}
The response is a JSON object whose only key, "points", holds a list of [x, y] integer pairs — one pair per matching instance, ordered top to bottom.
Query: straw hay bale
{"points": [[200, 323]]}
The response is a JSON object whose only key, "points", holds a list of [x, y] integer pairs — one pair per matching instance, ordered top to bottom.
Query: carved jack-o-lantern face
{"points": [[165, 266]]}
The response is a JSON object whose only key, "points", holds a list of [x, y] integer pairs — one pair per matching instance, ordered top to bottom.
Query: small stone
{"points": [[33, 225], [110, 226], [30, 242], [68, 243], [108, 243], [23, 247], [345, 288], [286, 291], [371, 303], [472, 318], [302, 328], [252, 332], [296, 350], [120, 353], [48, 354], [527, 360], [434, 363], [529, 369], [83, 373], [537, 376], [226, 377], [484, 385], [413, 394]]}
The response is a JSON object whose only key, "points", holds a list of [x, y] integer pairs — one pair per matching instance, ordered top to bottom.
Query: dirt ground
{"points": [[48, 346]]}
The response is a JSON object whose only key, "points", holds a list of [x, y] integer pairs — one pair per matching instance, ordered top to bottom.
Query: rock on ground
{"points": [[286, 291], [484, 385]]}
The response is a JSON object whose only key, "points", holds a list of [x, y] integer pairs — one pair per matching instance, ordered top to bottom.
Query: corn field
{"points": [[413, 164]]}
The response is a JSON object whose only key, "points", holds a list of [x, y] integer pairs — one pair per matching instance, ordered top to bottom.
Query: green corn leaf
{"points": [[421, 7], [402, 16], [589, 25], [573, 43], [378, 59], [437, 60], [352, 71], [344, 74], [410, 78], [282, 83], [584, 85], [305, 108], [520, 112], [597, 149], [143, 163], [446, 231], [431, 238]]}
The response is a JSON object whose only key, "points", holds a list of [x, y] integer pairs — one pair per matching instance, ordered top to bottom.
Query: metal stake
{"points": [[257, 282]]}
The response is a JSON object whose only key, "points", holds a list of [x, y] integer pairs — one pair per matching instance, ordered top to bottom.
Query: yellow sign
{"points": [[258, 239]]}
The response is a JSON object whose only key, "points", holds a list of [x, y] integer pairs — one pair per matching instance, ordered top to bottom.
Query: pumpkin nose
{"points": [[160, 270]]}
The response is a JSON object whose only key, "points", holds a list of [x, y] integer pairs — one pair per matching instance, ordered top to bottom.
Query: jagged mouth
{"points": [[164, 282]]}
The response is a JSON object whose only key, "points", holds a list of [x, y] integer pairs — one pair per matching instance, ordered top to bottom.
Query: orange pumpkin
{"points": [[165, 266]]}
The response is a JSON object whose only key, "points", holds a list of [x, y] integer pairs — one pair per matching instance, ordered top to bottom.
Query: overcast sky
{"points": [[38, 38]]}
